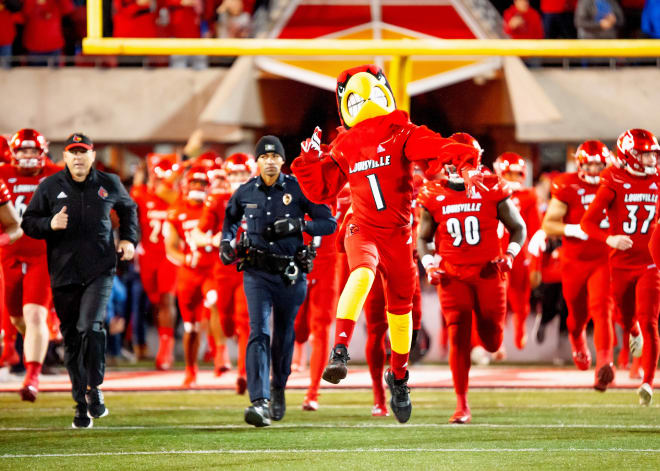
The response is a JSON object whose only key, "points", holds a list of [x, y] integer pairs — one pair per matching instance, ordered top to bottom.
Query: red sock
{"points": [[634, 330], [166, 331], [344, 331], [375, 352], [650, 352], [459, 356], [317, 360], [399, 364], [32, 370]]}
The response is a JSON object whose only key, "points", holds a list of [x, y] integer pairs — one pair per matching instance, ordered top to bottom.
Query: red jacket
{"points": [[558, 6], [184, 20], [133, 21], [43, 24], [531, 28], [7, 29]]}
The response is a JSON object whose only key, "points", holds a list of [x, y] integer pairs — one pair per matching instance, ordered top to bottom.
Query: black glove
{"points": [[284, 227], [227, 253]]}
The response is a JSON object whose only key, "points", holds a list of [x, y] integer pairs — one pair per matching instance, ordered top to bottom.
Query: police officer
{"points": [[71, 211], [275, 261]]}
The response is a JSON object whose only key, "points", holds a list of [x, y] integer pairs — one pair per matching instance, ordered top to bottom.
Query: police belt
{"points": [[271, 263]]}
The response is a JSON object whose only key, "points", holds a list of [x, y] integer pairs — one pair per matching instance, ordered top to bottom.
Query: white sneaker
{"points": [[636, 345], [480, 356], [645, 393]]}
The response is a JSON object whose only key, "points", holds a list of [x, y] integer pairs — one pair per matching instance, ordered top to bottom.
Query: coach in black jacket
{"points": [[71, 211]]}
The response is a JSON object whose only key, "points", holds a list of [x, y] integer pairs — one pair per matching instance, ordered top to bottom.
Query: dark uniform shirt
{"points": [[262, 205], [86, 248]]}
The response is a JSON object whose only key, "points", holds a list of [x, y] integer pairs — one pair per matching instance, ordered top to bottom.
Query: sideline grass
{"points": [[540, 429]]}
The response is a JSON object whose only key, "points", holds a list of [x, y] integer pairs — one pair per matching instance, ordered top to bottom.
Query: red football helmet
{"points": [[29, 139], [629, 149], [5, 151], [591, 152], [209, 159], [240, 162], [510, 162], [191, 190]]}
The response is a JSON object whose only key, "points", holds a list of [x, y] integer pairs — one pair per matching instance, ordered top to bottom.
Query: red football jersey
{"points": [[377, 157], [21, 187], [577, 194], [526, 202], [630, 205], [152, 214], [213, 215], [185, 216], [467, 223]]}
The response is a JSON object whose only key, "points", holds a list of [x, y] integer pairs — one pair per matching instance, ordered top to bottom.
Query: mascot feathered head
{"points": [[363, 92]]}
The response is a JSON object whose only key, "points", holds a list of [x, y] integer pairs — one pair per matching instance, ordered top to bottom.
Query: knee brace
{"points": [[355, 293]]}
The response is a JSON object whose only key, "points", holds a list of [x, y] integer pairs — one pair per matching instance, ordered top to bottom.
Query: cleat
{"points": [[636, 344], [165, 355], [581, 355], [479, 356], [336, 369], [220, 370], [604, 377], [190, 380], [241, 385], [28, 393], [645, 393], [400, 400], [277, 403], [95, 404], [310, 405], [379, 410], [258, 414], [461, 416], [81, 419]]}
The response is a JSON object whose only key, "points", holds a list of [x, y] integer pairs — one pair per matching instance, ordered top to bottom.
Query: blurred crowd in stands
{"points": [[39, 29]]}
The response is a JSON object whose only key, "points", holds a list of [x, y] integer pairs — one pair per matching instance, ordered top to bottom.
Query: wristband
{"points": [[4, 239], [513, 249], [427, 260]]}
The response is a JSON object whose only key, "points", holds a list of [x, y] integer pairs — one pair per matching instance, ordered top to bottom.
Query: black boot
{"points": [[337, 369]]}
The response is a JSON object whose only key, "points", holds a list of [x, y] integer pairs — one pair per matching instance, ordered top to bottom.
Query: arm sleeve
{"points": [[320, 181], [126, 210], [37, 216], [233, 216], [209, 221], [323, 222], [590, 222]]}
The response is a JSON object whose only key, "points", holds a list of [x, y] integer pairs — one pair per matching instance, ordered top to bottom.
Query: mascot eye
{"points": [[378, 97], [354, 102]]}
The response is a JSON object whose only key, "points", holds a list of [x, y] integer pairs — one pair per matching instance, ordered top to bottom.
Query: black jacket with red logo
{"points": [[86, 248]]}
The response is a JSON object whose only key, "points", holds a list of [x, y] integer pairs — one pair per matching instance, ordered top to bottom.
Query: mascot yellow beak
{"points": [[364, 97]]}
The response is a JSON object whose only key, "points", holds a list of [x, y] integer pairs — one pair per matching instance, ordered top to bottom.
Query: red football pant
{"points": [[158, 276], [26, 282], [192, 286], [586, 288], [518, 292], [636, 293], [458, 298], [232, 308], [315, 317]]}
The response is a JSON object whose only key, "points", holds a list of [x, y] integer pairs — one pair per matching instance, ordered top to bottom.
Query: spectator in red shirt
{"points": [[8, 9], [185, 18], [558, 18], [134, 19], [522, 22], [42, 33]]}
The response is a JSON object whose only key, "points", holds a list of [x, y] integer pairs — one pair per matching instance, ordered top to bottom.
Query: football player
{"points": [[513, 168], [628, 194], [461, 214], [195, 263], [584, 269], [158, 274], [27, 284]]}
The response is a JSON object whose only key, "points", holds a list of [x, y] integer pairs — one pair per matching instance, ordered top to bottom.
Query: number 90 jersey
{"points": [[467, 223]]}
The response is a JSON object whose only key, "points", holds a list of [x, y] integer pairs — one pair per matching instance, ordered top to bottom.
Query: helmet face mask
{"points": [[637, 151], [591, 157], [512, 168], [195, 184]]}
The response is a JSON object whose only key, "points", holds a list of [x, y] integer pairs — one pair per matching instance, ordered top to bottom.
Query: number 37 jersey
{"points": [[467, 223]]}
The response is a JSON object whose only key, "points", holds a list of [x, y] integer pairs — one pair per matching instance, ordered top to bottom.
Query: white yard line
{"points": [[335, 451]]}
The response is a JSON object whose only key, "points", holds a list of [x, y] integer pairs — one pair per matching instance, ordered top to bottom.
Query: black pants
{"points": [[81, 310]]}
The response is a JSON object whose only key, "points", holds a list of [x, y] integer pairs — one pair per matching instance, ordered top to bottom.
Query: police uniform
{"points": [[274, 278]]}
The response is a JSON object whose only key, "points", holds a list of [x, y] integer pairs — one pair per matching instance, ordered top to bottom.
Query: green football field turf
{"points": [[511, 429]]}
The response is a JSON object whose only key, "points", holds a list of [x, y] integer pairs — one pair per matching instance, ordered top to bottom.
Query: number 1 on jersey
{"points": [[376, 191]]}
